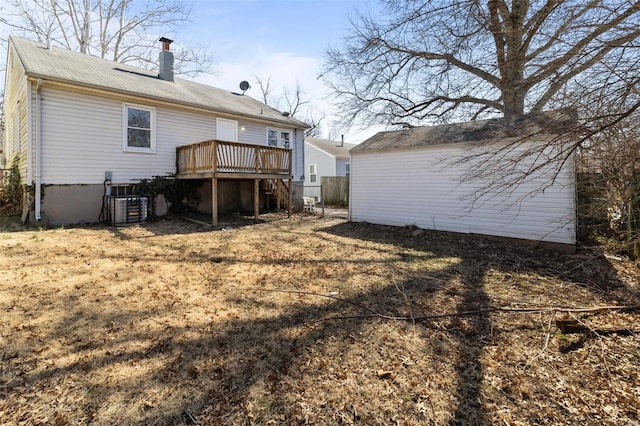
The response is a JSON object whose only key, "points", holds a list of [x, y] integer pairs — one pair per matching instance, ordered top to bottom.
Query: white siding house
{"points": [[69, 122], [324, 158], [442, 178]]}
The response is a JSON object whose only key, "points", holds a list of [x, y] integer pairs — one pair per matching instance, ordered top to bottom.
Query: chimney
{"points": [[166, 60]]}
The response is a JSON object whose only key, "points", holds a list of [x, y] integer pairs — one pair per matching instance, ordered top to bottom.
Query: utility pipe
{"points": [[37, 143]]}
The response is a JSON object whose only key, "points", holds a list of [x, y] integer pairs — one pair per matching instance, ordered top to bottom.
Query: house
{"points": [[78, 124], [324, 158], [469, 178]]}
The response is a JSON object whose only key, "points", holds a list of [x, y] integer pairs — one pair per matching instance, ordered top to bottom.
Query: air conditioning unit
{"points": [[132, 209]]}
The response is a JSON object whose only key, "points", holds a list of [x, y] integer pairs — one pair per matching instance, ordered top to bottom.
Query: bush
{"points": [[175, 191], [11, 199]]}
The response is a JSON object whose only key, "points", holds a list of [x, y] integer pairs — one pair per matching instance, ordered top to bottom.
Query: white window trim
{"points": [[226, 120], [125, 126], [270, 129], [290, 138], [280, 140], [315, 167], [347, 169]]}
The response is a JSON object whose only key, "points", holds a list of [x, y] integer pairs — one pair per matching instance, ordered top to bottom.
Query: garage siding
{"points": [[423, 187]]}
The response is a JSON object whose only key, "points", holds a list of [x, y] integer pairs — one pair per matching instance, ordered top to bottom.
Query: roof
{"points": [[66, 66], [469, 132], [336, 149]]}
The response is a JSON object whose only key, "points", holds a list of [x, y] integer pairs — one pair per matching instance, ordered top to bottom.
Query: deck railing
{"points": [[233, 157]]}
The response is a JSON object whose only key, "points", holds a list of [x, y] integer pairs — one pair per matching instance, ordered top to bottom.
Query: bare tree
{"points": [[121, 30], [463, 59], [426, 62], [265, 89], [292, 101], [314, 119], [609, 164]]}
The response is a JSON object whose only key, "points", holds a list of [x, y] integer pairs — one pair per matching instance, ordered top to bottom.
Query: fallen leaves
{"points": [[178, 334]]}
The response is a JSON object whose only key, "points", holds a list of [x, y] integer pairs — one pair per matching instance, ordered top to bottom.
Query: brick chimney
{"points": [[166, 60]]}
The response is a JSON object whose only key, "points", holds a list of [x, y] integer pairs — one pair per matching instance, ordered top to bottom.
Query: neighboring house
{"points": [[78, 122], [324, 158], [443, 178]]}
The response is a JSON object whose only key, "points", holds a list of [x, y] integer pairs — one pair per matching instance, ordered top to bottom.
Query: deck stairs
{"points": [[276, 190]]}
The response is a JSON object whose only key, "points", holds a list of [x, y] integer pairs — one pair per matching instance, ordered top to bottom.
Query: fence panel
{"points": [[335, 190]]}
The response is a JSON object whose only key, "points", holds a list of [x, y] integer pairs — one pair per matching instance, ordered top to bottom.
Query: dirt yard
{"points": [[309, 321]]}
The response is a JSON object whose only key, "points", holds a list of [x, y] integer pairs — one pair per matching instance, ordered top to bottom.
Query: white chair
{"points": [[309, 204]]}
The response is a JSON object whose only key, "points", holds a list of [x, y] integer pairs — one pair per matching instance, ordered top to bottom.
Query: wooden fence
{"points": [[335, 190]]}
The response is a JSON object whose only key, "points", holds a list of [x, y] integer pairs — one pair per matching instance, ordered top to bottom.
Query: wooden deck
{"points": [[216, 160], [232, 160]]}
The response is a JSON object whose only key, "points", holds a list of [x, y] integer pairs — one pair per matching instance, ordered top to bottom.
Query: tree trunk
{"points": [[86, 33], [513, 102], [633, 217]]}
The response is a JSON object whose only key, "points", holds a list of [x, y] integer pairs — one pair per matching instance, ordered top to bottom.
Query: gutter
{"points": [[291, 123], [38, 132]]}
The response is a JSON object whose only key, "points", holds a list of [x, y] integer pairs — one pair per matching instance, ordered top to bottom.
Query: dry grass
{"points": [[168, 323]]}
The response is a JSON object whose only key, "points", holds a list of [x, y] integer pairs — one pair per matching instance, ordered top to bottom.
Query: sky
{"points": [[282, 39]]}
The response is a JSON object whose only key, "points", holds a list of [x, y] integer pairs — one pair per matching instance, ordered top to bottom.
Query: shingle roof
{"points": [[89, 71], [473, 131], [332, 147]]}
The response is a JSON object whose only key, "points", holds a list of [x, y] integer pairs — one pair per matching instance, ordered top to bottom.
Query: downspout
{"points": [[37, 143], [294, 152], [350, 186]]}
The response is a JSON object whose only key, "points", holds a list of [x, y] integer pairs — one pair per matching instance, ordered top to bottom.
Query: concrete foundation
{"points": [[73, 204]]}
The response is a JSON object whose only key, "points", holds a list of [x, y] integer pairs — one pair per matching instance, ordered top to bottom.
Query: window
{"points": [[139, 129], [227, 130], [272, 137], [285, 137], [281, 138], [347, 169], [313, 173]]}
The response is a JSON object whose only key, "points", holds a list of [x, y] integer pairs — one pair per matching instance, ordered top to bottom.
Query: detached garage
{"points": [[486, 178]]}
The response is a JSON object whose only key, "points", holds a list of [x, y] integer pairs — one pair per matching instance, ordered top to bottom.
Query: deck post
{"points": [[192, 154], [278, 193], [290, 197], [256, 198], [214, 200]]}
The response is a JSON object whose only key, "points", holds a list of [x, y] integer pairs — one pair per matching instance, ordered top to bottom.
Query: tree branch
{"points": [[496, 309]]}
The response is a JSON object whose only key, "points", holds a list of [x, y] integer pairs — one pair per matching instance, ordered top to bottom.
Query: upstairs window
{"points": [[139, 129], [272, 137], [280, 138], [285, 139], [347, 169], [313, 173]]}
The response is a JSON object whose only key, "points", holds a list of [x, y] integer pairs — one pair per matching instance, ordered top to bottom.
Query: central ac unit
{"points": [[125, 210]]}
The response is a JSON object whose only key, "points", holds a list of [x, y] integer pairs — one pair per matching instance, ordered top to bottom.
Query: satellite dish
{"points": [[244, 86]]}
